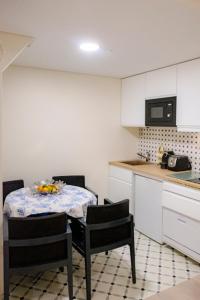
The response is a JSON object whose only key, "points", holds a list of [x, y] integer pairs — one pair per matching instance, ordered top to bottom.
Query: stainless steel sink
{"points": [[136, 162]]}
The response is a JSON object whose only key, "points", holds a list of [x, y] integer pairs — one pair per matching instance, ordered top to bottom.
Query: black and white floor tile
{"points": [[158, 267]]}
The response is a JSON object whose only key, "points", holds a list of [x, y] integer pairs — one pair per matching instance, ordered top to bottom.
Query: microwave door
{"points": [[155, 114]]}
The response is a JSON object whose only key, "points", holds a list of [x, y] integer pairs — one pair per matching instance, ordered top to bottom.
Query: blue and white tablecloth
{"points": [[72, 199]]}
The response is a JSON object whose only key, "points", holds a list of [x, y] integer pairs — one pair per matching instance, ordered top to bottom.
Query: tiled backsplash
{"points": [[180, 142]]}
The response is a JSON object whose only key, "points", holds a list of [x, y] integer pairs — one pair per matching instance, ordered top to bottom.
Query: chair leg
{"points": [[132, 254], [6, 273], [88, 276], [70, 280], [6, 285]]}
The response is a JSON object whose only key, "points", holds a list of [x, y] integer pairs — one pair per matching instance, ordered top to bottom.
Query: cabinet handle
{"points": [[181, 220]]}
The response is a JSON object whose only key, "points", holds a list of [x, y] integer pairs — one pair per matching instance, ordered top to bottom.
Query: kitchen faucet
{"points": [[147, 156]]}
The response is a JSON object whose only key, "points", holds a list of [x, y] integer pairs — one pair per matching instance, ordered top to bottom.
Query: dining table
{"points": [[71, 199]]}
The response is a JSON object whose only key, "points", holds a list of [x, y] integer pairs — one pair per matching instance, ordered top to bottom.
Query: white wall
{"points": [[11, 45], [57, 123]]}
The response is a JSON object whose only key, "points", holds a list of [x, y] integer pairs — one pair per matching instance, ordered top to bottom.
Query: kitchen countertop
{"points": [[154, 171]]}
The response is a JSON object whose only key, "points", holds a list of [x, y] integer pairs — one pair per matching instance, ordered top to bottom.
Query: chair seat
{"points": [[109, 236], [25, 256]]}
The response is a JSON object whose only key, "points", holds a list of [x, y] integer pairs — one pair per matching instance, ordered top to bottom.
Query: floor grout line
{"points": [[157, 267]]}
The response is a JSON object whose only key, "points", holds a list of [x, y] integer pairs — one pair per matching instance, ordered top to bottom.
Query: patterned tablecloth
{"points": [[72, 199]]}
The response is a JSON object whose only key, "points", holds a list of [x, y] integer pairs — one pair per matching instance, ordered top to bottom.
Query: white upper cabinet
{"points": [[182, 80], [161, 83], [188, 96], [133, 101]]}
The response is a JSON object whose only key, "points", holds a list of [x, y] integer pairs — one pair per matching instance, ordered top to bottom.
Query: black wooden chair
{"points": [[77, 180], [11, 186], [106, 227], [35, 244]]}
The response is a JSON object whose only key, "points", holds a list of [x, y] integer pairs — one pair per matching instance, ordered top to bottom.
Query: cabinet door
{"points": [[161, 83], [188, 96], [133, 101], [121, 173], [119, 190], [148, 211]]}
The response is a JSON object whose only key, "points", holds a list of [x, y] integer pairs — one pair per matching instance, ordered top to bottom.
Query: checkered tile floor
{"points": [[158, 267]]}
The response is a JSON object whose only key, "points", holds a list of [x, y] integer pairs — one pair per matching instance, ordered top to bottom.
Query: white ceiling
{"points": [[134, 35]]}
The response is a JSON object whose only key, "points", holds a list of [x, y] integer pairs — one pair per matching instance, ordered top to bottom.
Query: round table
{"points": [[72, 199]]}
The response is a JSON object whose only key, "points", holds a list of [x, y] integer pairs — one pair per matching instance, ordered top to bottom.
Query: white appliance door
{"points": [[148, 211]]}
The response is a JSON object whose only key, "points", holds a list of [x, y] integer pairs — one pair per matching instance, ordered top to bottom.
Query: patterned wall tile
{"points": [[187, 143]]}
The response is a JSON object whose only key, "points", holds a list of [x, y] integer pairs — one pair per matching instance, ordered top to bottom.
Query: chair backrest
{"points": [[77, 180], [11, 186], [106, 213], [113, 222], [37, 226], [33, 228]]}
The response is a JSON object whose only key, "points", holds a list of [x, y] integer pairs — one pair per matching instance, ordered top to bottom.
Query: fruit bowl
{"points": [[47, 187]]}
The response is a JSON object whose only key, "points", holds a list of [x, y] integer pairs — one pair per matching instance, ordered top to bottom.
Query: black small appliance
{"points": [[160, 112], [165, 158], [179, 163]]}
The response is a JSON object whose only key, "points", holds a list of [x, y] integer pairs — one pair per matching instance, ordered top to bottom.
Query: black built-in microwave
{"points": [[160, 112]]}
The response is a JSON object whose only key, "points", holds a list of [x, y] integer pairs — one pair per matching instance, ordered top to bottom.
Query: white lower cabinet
{"points": [[120, 185], [148, 210], [164, 211], [181, 219]]}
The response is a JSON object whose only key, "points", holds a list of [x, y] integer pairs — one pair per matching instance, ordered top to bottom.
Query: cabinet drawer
{"points": [[120, 173], [182, 190], [183, 205], [181, 229]]}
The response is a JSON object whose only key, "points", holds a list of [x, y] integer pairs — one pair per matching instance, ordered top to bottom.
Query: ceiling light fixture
{"points": [[89, 47]]}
